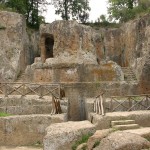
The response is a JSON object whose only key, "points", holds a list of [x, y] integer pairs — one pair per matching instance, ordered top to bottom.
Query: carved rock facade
{"points": [[71, 52]]}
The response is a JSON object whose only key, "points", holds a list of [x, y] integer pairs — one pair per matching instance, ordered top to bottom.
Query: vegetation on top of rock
{"points": [[31, 9], [75, 9], [118, 10], [124, 10], [107, 24], [2, 27], [2, 114], [83, 139], [96, 144]]}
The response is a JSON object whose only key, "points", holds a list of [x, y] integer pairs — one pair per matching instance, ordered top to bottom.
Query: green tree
{"points": [[145, 4], [30, 8], [72, 9], [121, 10], [124, 10]]}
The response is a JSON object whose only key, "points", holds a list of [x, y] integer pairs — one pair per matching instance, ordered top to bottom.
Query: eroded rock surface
{"points": [[73, 42], [12, 44], [16, 49], [26, 129], [97, 137], [123, 141]]}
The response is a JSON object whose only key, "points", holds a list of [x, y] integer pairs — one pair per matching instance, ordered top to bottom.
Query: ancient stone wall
{"points": [[53, 71], [31, 104], [26, 129]]}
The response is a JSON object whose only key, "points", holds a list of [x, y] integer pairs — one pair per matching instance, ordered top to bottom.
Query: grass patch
{"points": [[98, 25], [2, 27], [2, 114], [114, 129], [148, 138], [84, 139], [38, 144], [96, 144]]}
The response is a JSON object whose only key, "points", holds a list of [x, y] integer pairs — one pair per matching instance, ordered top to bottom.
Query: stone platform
{"points": [[30, 104], [104, 122], [26, 129]]}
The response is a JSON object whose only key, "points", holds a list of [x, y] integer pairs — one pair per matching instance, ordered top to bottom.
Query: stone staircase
{"points": [[128, 74], [21, 77], [124, 124]]}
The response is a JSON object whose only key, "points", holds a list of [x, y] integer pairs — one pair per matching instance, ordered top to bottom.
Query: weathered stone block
{"points": [[62, 135]]}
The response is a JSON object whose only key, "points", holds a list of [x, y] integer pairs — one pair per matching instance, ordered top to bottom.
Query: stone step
{"points": [[126, 71], [129, 74], [21, 77], [128, 79], [122, 122], [126, 127], [144, 131], [21, 148]]}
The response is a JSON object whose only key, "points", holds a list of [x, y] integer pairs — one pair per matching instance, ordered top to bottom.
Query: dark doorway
{"points": [[49, 43]]}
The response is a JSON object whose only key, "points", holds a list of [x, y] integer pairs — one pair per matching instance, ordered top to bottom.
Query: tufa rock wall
{"points": [[73, 42], [128, 45], [15, 49], [71, 52]]}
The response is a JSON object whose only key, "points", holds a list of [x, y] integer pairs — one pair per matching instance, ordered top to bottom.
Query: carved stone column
{"points": [[42, 48]]}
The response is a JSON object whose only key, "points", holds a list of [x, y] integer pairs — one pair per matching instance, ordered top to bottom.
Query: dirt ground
{"points": [[19, 148]]}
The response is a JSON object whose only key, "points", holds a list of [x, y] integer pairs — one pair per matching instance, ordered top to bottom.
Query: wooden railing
{"points": [[24, 89], [41, 90], [130, 103], [99, 104]]}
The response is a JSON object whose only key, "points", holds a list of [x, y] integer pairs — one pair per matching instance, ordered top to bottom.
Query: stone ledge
{"points": [[26, 129]]}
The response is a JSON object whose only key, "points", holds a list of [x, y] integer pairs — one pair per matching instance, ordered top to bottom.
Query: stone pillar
{"points": [[42, 49], [76, 99]]}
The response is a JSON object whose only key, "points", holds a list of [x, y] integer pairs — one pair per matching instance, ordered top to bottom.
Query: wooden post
{"points": [[5, 89], [23, 90], [41, 91], [59, 92], [130, 103], [95, 105], [99, 105], [102, 106], [111, 107]]}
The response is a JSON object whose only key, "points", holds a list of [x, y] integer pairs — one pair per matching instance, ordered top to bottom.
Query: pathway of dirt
{"points": [[19, 148]]}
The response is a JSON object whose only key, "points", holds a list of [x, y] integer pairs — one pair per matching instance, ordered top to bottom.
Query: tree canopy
{"points": [[30, 8], [72, 9], [124, 10]]}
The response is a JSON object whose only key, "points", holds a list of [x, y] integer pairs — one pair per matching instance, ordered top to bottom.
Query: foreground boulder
{"points": [[62, 135], [98, 136], [123, 141]]}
